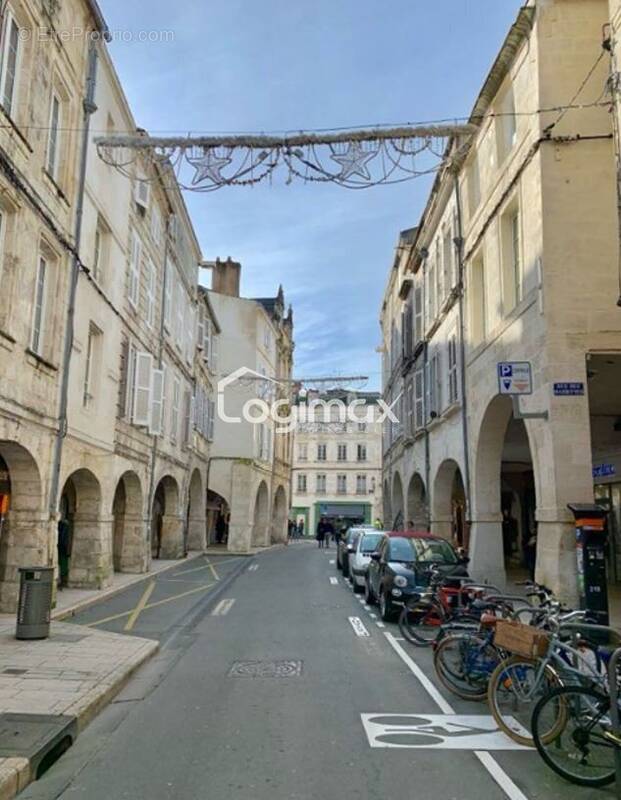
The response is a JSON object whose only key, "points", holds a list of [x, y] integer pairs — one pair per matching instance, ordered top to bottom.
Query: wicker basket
{"points": [[523, 640]]}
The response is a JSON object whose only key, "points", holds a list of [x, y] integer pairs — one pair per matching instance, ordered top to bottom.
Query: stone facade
{"points": [[517, 254], [337, 462], [250, 470]]}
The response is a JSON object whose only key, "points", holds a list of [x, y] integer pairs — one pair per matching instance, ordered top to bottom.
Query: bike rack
{"points": [[614, 705]]}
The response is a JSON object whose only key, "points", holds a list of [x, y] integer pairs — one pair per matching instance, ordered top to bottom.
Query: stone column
{"points": [[442, 526], [197, 531], [172, 537], [23, 543], [91, 552], [134, 558], [487, 560]]}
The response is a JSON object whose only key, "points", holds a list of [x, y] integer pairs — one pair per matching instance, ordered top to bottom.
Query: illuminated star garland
{"points": [[363, 158]]}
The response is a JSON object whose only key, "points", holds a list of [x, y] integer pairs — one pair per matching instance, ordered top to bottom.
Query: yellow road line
{"points": [[205, 566], [213, 569], [151, 605], [140, 607]]}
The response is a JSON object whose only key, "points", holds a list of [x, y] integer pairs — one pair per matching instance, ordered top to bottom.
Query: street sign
{"points": [[515, 377], [569, 389], [604, 471]]}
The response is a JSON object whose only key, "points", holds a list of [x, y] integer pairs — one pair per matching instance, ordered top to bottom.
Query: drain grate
{"points": [[266, 669], [34, 736]]}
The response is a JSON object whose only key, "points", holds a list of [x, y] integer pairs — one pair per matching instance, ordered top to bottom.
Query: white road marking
{"points": [[333, 561], [253, 568], [334, 581], [223, 607], [367, 607], [373, 616], [380, 624], [358, 626], [437, 732], [490, 764]]}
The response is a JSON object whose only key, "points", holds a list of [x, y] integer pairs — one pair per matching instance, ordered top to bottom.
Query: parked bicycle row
{"points": [[549, 675]]}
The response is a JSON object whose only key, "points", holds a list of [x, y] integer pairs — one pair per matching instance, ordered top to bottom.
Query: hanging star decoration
{"points": [[354, 162], [208, 167]]}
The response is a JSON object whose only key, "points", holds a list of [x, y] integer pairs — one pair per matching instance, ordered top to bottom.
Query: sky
{"points": [[241, 65]]}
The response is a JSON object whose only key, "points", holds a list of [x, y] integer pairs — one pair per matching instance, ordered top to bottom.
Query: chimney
{"points": [[226, 277]]}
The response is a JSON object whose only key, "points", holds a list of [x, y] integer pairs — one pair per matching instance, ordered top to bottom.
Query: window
{"points": [[11, 51], [506, 128], [53, 145], [474, 185], [157, 225], [100, 251], [447, 259], [512, 268], [134, 269], [439, 274], [151, 293], [431, 293], [168, 295], [478, 301], [40, 310], [419, 312], [407, 329], [92, 365], [452, 370], [142, 387], [434, 387], [419, 399], [174, 411], [156, 426], [362, 427], [303, 452], [322, 452], [342, 452], [362, 452], [302, 484], [321, 484], [341, 484], [361, 484]]}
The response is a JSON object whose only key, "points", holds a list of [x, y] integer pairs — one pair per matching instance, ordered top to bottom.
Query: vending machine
{"points": [[591, 544]]}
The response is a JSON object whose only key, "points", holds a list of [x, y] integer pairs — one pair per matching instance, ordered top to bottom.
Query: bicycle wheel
{"points": [[420, 622], [464, 664], [515, 686], [583, 750]]}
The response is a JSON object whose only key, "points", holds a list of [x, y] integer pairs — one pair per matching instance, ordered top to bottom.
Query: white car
{"points": [[361, 556]]}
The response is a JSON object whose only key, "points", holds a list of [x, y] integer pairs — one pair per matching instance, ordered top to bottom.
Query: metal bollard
{"points": [[614, 706]]}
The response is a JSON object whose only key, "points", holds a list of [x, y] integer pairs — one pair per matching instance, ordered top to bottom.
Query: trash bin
{"points": [[35, 602]]}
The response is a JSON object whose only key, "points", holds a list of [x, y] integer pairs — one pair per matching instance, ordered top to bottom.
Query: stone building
{"points": [[515, 259], [107, 378], [337, 460], [250, 465]]}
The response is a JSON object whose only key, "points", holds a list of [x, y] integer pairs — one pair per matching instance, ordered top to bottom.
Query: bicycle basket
{"points": [[523, 640]]}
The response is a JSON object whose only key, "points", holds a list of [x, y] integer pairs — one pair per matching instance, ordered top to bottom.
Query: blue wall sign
{"points": [[569, 389], [604, 471]]}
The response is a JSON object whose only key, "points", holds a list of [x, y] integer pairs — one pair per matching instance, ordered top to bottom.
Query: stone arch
{"points": [[503, 450], [449, 503], [387, 504], [197, 513], [261, 516], [280, 516], [398, 516], [417, 516], [23, 519], [166, 521], [84, 536], [129, 544]]}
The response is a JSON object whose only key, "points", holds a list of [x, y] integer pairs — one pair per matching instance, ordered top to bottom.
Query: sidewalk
{"points": [[74, 673]]}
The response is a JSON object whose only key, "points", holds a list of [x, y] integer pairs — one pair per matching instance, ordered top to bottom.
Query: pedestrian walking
{"points": [[220, 528], [291, 529], [301, 529], [321, 532], [329, 533]]}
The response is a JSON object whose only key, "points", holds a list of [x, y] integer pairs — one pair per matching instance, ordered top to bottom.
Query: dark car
{"points": [[347, 545], [399, 568]]}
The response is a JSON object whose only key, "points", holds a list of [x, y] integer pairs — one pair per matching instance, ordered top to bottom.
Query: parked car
{"points": [[347, 545], [360, 559], [399, 567]]}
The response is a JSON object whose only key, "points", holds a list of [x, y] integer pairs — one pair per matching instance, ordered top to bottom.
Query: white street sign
{"points": [[515, 377]]}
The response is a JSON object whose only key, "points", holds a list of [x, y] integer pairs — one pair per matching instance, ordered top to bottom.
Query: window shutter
{"points": [[134, 270], [168, 295], [179, 304], [190, 324], [200, 328], [207, 341], [214, 353], [142, 389], [157, 402], [188, 404], [121, 406], [174, 418], [212, 419]]}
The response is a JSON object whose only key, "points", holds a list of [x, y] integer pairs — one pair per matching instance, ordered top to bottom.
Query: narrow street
{"points": [[205, 719]]}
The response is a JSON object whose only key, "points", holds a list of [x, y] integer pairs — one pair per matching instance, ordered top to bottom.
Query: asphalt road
{"points": [[259, 692]]}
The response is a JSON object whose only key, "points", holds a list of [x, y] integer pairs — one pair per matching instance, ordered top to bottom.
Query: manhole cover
{"points": [[266, 669], [33, 736]]}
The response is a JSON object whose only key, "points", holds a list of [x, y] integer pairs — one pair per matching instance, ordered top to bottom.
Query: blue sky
{"points": [[241, 65]]}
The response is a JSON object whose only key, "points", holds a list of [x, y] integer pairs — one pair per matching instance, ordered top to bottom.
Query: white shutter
{"points": [[142, 193], [134, 269], [151, 290], [168, 295], [179, 304], [200, 327], [189, 332], [207, 340], [213, 361], [142, 389], [157, 402], [188, 405], [198, 410], [174, 417], [212, 419]]}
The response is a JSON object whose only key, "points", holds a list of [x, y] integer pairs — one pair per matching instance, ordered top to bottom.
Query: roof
{"points": [[99, 19], [204, 293]]}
